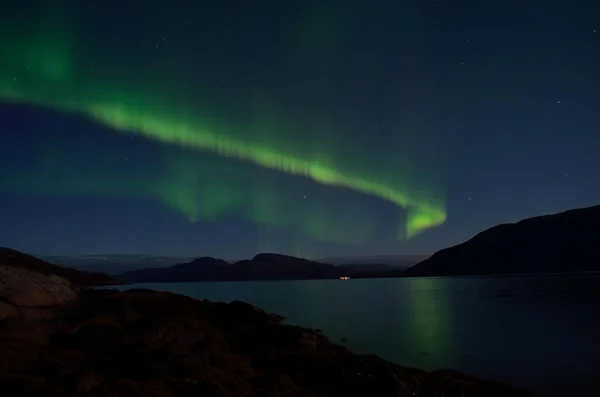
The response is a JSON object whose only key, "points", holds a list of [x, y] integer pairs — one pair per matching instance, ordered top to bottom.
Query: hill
{"points": [[563, 242], [16, 259], [375, 262], [264, 266]]}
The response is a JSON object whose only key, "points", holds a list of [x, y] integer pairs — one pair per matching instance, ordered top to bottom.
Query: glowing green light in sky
{"points": [[45, 68], [198, 187]]}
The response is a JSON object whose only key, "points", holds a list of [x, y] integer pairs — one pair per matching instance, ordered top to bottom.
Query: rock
{"points": [[19, 260], [23, 287], [8, 310], [308, 340]]}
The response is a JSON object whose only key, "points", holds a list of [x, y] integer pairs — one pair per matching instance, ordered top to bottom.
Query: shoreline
{"points": [[550, 274], [151, 343]]}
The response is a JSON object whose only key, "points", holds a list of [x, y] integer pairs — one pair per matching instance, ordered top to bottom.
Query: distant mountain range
{"points": [[564, 242], [387, 262], [116, 264], [262, 267]]}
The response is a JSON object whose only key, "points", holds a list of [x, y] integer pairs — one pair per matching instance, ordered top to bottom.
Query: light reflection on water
{"points": [[538, 332]]}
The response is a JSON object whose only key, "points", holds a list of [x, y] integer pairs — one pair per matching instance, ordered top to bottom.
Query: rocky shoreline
{"points": [[58, 339], [148, 343]]}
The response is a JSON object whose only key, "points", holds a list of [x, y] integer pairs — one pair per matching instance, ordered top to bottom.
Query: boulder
{"points": [[23, 287]]}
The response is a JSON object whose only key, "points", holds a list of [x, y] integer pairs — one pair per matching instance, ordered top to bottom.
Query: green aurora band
{"points": [[43, 67], [199, 187]]}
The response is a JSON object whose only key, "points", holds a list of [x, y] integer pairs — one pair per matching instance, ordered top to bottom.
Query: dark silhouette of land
{"points": [[564, 242], [558, 243], [10, 257], [376, 262], [114, 264], [261, 267], [60, 340]]}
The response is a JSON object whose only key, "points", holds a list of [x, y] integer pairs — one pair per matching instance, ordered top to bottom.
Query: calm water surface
{"points": [[538, 332]]}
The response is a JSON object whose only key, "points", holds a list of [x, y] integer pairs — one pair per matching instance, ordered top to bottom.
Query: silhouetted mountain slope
{"points": [[564, 242], [12, 258], [375, 262], [261, 267], [205, 268]]}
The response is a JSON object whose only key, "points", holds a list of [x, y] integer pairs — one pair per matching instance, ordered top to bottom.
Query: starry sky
{"points": [[310, 128]]}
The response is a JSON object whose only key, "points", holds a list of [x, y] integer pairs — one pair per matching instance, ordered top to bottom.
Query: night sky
{"points": [[311, 128]]}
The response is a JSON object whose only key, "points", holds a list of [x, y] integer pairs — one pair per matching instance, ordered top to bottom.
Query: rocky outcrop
{"points": [[564, 242], [19, 260], [23, 287], [29, 294], [149, 343]]}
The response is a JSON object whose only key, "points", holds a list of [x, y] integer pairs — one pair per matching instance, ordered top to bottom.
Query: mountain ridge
{"points": [[567, 241], [263, 266]]}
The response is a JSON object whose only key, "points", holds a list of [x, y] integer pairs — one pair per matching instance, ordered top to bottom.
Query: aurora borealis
{"points": [[49, 72], [329, 121]]}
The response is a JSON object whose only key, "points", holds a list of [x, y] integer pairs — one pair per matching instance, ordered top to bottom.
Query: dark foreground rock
{"points": [[24, 290], [148, 343]]}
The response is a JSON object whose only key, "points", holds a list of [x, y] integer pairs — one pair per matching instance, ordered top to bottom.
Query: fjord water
{"points": [[537, 332]]}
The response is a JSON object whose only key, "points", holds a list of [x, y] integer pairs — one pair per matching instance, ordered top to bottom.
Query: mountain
{"points": [[563, 242], [16, 259], [375, 262], [114, 264], [264, 266], [205, 268]]}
